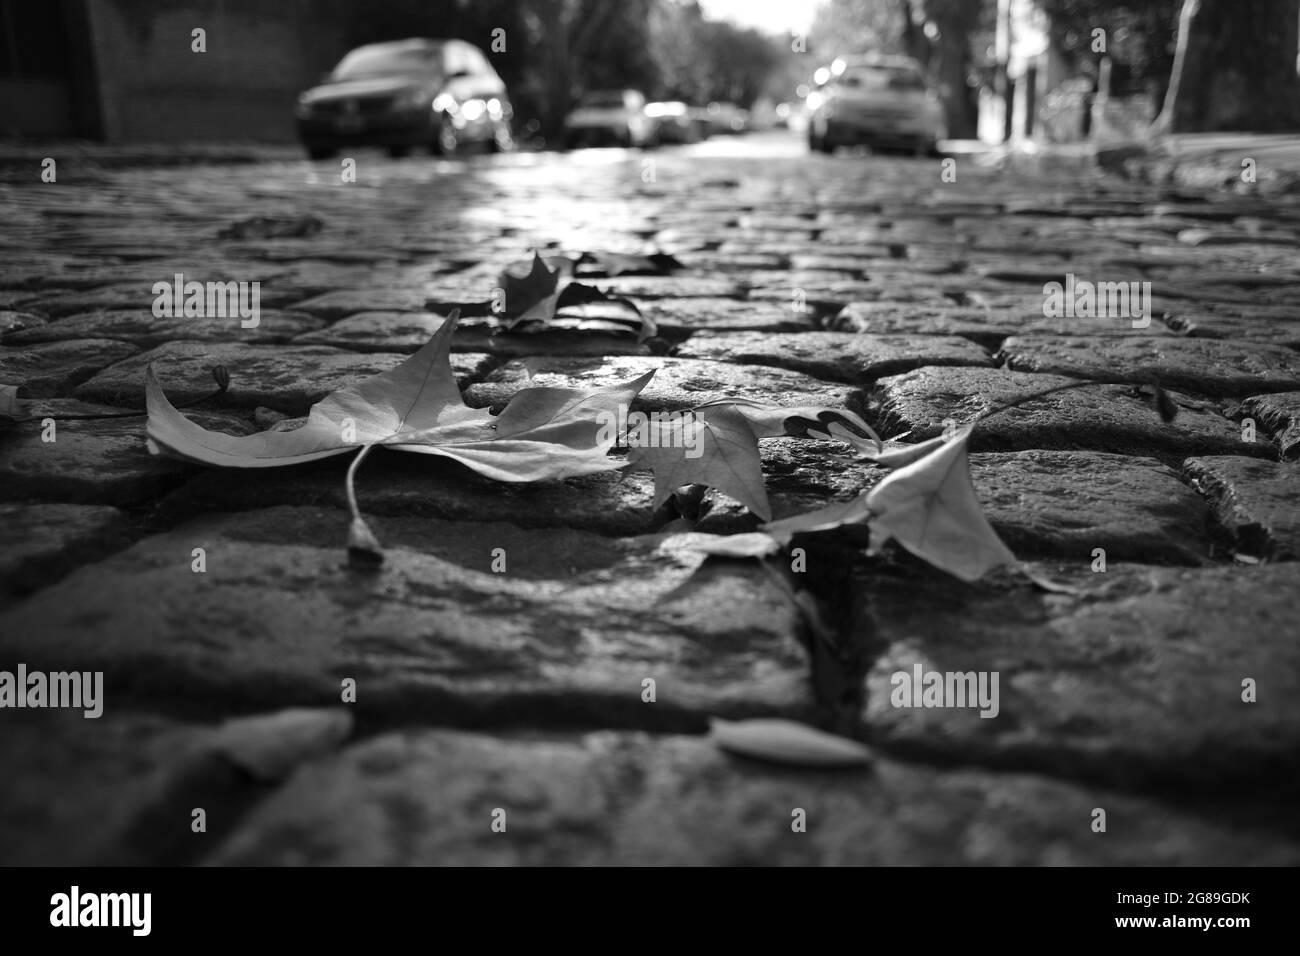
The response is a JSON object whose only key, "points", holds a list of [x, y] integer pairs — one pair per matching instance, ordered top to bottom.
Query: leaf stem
{"points": [[351, 481], [364, 549]]}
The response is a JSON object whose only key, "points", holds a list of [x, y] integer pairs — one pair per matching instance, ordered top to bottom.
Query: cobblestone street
{"points": [[1160, 684]]}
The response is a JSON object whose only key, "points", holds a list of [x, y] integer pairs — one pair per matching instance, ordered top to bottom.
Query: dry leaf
{"points": [[544, 433], [930, 508], [784, 741], [269, 746]]}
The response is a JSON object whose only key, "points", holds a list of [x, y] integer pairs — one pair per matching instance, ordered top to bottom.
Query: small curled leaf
{"points": [[784, 741]]}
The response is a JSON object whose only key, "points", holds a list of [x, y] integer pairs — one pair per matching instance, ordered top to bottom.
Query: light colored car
{"points": [[432, 93], [877, 102], [609, 116]]}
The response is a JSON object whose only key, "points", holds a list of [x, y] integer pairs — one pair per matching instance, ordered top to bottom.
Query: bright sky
{"points": [[771, 16]]}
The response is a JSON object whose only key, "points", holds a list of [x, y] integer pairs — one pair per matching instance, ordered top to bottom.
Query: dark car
{"points": [[432, 93]]}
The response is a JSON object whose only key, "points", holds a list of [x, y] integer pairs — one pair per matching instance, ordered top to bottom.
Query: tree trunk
{"points": [[948, 58], [1234, 68]]}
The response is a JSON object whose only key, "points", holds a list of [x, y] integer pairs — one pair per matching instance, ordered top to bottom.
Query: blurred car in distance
{"points": [[436, 94], [874, 101], [765, 115], [609, 116], [727, 118], [700, 120], [673, 123]]}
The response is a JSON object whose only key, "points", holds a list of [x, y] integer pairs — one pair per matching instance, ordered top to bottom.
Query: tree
{"points": [[941, 34], [1139, 40], [1234, 68]]}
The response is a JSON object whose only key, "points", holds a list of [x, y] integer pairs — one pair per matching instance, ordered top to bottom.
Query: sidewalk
{"points": [[1194, 160]]}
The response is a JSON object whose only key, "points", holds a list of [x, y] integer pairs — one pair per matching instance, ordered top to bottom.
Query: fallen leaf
{"points": [[534, 294], [577, 296], [537, 297], [809, 421], [543, 433], [726, 433], [898, 455], [727, 456], [930, 508], [753, 544], [784, 741], [270, 746]]}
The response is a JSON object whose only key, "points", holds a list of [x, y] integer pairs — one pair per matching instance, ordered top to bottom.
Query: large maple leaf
{"points": [[543, 433]]}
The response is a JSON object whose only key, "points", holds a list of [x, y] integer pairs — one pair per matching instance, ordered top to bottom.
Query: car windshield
{"points": [[387, 61], [870, 79], [609, 99]]}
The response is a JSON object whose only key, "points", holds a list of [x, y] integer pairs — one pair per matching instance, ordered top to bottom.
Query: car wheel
{"points": [[446, 142], [322, 152], [397, 152]]}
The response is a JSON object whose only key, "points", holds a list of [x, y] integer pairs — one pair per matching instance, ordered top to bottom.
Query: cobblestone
{"points": [[866, 283], [835, 356], [1221, 368], [49, 370], [290, 379], [678, 383], [1111, 418], [1255, 500], [278, 619], [1142, 682]]}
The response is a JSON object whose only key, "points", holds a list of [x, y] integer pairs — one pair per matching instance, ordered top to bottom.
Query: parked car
{"points": [[437, 94], [877, 102], [609, 116], [727, 118], [701, 121], [673, 123]]}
